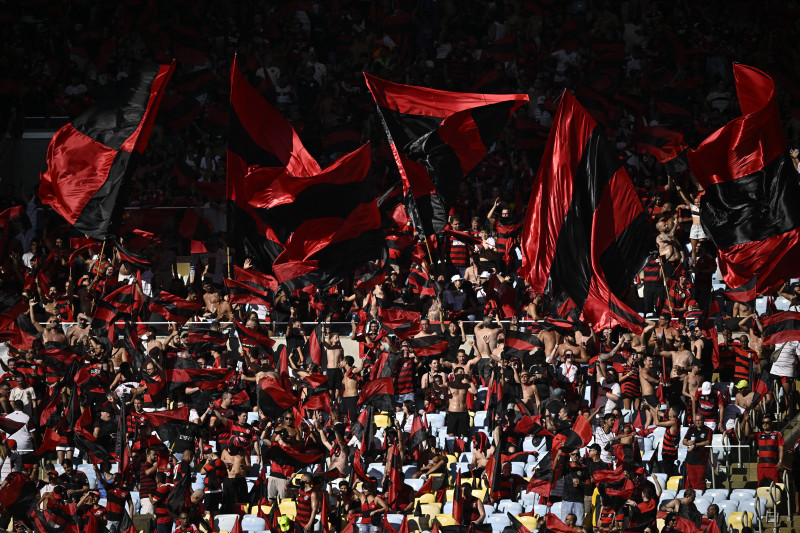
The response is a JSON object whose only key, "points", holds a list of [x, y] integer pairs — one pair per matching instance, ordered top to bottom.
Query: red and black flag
{"points": [[258, 137], [437, 137], [667, 146], [90, 160], [749, 208], [13, 221], [329, 222], [193, 226], [585, 227], [134, 259], [419, 280], [251, 287], [743, 293], [11, 306], [171, 308], [399, 317], [781, 327], [252, 337], [202, 339], [520, 343], [430, 345], [202, 378], [762, 385], [378, 393], [274, 399], [531, 425], [419, 432], [575, 438], [289, 456], [494, 472], [609, 476], [393, 478], [178, 498], [458, 499], [638, 518], [555, 525]]}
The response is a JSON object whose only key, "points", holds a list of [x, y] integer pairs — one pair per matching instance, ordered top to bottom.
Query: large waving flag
{"points": [[258, 136], [437, 137], [90, 160], [750, 208], [329, 222], [585, 227]]}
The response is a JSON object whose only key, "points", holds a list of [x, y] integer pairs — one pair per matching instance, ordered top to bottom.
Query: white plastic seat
{"points": [[252, 416], [480, 419], [435, 420], [518, 469], [376, 470], [415, 484], [740, 494], [719, 495], [137, 504], [702, 504], [756, 506], [728, 507], [514, 508], [556, 509], [395, 519], [498, 521], [225, 522], [253, 523]]}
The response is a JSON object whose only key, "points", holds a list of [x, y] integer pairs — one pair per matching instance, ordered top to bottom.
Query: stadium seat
{"points": [[252, 417], [480, 419], [435, 420], [382, 421], [465, 457], [518, 469], [376, 470], [409, 470], [673, 483], [415, 484], [740, 494], [668, 495], [718, 495], [773, 497], [427, 498], [702, 504], [757, 506], [728, 507], [447, 508], [514, 508], [288, 509], [431, 509], [540, 509], [556, 509], [395, 519], [740, 519], [445, 520], [225, 521], [498, 521], [529, 522], [253, 523]]}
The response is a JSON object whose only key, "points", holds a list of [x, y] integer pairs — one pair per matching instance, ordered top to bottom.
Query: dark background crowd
{"points": [[631, 64]]}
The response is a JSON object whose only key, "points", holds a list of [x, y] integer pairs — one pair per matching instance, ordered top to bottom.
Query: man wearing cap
{"points": [[456, 302], [708, 402], [770, 449], [593, 464], [88, 506]]}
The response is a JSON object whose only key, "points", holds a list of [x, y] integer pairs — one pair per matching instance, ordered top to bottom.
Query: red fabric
{"points": [[696, 477]]}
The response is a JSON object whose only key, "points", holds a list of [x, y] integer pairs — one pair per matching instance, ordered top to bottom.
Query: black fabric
{"points": [[754, 207]]}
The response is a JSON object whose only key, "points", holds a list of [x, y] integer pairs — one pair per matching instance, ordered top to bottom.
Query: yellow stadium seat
{"points": [[382, 421], [451, 458], [674, 482], [479, 493], [449, 494], [772, 495], [427, 498], [254, 509], [288, 509], [431, 509], [739, 519], [446, 520], [529, 522], [660, 523]]}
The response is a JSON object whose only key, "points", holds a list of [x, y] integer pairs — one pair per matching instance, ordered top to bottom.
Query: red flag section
{"points": [[437, 137], [90, 160], [743, 167], [585, 227], [781, 327]]}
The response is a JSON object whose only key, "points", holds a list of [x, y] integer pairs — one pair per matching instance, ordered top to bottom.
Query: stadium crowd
{"points": [[476, 418]]}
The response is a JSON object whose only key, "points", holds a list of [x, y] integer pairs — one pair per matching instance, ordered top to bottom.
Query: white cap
{"points": [[485, 275], [455, 278], [706, 388]]}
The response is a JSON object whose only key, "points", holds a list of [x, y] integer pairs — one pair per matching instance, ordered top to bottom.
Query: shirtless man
{"points": [[668, 249], [221, 307], [425, 328], [79, 330], [53, 332], [486, 334], [663, 334], [550, 339], [152, 341], [567, 346], [334, 356], [681, 357], [463, 362], [435, 370], [648, 378], [694, 379], [529, 391], [350, 392], [457, 416], [338, 448], [234, 487]]}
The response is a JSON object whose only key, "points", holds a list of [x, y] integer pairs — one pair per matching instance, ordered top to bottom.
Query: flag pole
{"points": [[228, 249], [97, 270]]}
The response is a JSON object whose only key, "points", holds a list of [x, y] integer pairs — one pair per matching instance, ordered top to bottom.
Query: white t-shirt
{"points": [[787, 359], [603, 400], [22, 435]]}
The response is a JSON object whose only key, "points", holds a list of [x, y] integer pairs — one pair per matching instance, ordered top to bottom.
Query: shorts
{"points": [[697, 233], [334, 376], [652, 399], [458, 424], [276, 488]]}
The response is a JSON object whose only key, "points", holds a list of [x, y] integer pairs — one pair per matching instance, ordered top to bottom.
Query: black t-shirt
{"points": [[108, 431], [185, 439], [699, 455], [593, 467], [576, 474], [76, 481]]}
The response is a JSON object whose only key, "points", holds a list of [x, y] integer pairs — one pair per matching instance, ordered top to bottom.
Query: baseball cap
{"points": [[485, 275], [455, 277], [742, 384], [706, 388]]}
